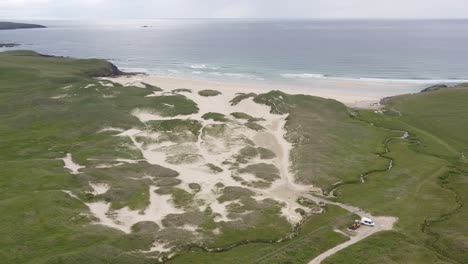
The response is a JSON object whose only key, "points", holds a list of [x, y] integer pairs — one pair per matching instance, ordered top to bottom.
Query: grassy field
{"points": [[50, 106], [328, 142], [426, 188], [314, 236]]}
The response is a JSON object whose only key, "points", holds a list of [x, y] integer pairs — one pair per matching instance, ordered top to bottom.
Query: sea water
{"points": [[287, 51]]}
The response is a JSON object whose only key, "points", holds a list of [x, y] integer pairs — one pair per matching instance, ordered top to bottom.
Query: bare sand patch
{"points": [[60, 96], [111, 129], [221, 147], [73, 167], [99, 188], [71, 194], [123, 219], [158, 247]]}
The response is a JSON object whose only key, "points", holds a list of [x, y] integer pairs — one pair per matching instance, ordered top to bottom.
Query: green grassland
{"points": [[50, 106], [47, 111], [328, 141], [426, 188], [314, 236]]}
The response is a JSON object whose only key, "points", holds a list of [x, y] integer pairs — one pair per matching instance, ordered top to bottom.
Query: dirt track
{"points": [[382, 223]]}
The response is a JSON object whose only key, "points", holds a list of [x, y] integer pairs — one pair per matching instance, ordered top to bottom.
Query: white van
{"points": [[367, 221]]}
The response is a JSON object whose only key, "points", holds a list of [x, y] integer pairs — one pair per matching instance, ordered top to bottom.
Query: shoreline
{"points": [[355, 94]]}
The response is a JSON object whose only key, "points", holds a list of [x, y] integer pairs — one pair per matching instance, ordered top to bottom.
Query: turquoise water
{"points": [[264, 50]]}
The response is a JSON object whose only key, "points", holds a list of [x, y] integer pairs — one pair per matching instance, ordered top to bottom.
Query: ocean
{"points": [[286, 51]]}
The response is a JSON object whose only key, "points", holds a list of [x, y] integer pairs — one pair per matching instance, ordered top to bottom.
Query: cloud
{"points": [[89, 9], [236, 10]]}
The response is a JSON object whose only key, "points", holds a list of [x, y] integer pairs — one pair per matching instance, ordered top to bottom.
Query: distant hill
{"points": [[11, 25]]}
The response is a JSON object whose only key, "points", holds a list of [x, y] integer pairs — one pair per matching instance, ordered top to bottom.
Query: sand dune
{"points": [[212, 150]]}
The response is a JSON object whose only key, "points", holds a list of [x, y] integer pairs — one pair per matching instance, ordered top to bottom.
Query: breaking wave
{"points": [[365, 79]]}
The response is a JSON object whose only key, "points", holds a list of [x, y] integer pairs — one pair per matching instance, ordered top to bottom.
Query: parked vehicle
{"points": [[367, 221], [355, 225]]}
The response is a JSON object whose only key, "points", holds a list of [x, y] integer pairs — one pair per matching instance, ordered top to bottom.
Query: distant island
{"points": [[12, 25], [8, 45]]}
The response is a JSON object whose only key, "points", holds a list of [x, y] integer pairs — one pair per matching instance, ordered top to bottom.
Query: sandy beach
{"points": [[353, 93]]}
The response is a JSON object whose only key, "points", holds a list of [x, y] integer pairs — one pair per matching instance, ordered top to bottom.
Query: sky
{"points": [[313, 9]]}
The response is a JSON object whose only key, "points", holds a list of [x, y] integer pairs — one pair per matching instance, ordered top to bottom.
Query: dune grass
{"points": [[209, 93], [240, 97], [240, 115], [215, 117], [330, 146], [314, 236]]}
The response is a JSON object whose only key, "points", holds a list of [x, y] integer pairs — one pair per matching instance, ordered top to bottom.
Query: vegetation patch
{"points": [[151, 87], [181, 90], [209, 93], [240, 97], [181, 105], [241, 115], [215, 117], [256, 119], [176, 125], [254, 126], [214, 130], [248, 152], [266, 153], [183, 159], [214, 169], [263, 171], [165, 182], [195, 187], [231, 193], [134, 195], [181, 198], [306, 202], [192, 218], [145, 227]]}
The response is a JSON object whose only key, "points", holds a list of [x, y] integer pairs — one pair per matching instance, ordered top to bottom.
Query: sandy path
{"points": [[382, 223]]}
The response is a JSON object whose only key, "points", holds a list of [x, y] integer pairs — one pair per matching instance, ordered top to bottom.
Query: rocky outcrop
{"points": [[443, 86], [434, 88]]}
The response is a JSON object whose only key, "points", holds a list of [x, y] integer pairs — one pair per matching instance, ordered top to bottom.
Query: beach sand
{"points": [[353, 93]]}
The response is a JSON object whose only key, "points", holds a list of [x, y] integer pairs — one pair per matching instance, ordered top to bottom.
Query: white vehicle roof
{"points": [[367, 219]]}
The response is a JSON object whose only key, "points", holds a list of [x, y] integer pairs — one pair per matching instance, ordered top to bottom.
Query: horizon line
{"points": [[234, 18]]}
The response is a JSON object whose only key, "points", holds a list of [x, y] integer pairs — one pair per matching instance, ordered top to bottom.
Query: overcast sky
{"points": [[129, 9]]}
